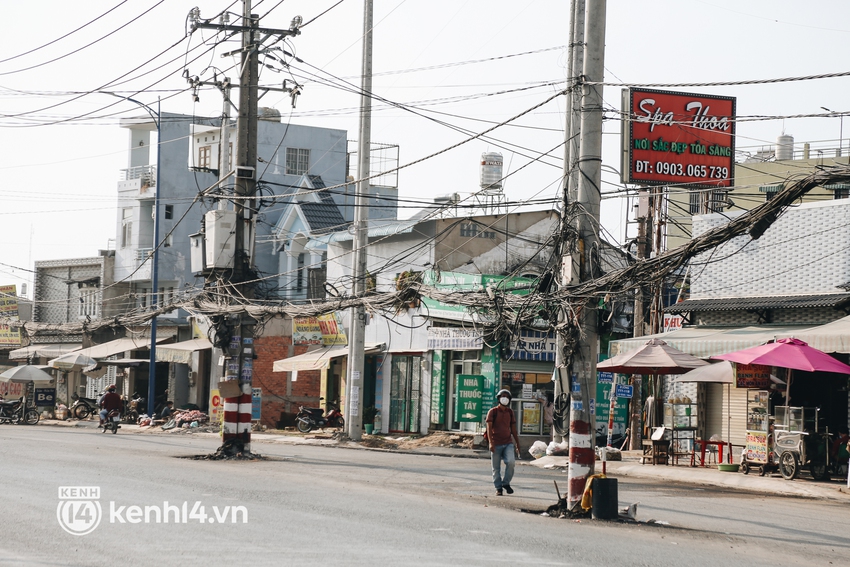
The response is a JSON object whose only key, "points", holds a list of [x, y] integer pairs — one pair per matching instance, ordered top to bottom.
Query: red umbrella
{"points": [[787, 353]]}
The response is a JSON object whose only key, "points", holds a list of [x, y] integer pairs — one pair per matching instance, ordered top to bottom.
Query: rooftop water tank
{"points": [[784, 147], [491, 171]]}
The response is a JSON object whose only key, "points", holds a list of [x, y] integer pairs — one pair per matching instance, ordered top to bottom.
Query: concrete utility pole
{"points": [[575, 60], [356, 356], [240, 361], [583, 387], [237, 409]]}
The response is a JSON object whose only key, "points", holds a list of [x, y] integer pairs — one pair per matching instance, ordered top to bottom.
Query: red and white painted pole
{"points": [[588, 198]]}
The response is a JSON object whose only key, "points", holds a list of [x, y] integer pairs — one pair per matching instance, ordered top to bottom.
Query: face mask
{"points": [[504, 400]]}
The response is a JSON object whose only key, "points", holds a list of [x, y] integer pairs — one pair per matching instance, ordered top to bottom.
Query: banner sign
{"points": [[672, 138], [9, 309], [324, 330], [454, 338], [533, 345], [754, 376], [756, 446]]}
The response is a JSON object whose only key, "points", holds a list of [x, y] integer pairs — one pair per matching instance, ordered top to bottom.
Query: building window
{"points": [[205, 157], [297, 161], [695, 207], [169, 212], [126, 227], [472, 230], [299, 274], [316, 282], [88, 301]]}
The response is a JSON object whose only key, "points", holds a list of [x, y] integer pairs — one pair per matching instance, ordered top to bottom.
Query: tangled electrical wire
{"points": [[494, 308]]}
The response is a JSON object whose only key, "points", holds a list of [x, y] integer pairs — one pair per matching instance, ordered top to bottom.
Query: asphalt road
{"points": [[335, 506]]}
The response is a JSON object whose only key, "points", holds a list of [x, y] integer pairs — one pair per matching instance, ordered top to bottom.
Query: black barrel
{"points": [[605, 500]]}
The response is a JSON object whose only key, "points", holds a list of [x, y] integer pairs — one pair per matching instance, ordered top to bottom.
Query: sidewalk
{"points": [[629, 467], [773, 485]]}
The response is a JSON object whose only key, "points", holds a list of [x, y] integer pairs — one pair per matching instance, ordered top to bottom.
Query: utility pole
{"points": [[571, 148], [588, 198], [356, 357], [236, 434]]}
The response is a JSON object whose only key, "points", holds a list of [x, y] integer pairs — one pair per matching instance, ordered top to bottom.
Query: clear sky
{"points": [[455, 67]]}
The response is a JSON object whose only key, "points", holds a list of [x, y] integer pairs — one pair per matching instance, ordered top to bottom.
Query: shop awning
{"points": [[832, 337], [703, 342], [122, 345], [46, 350], [181, 352], [318, 359]]}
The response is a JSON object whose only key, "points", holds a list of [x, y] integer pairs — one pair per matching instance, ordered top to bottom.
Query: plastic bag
{"points": [[562, 448], [538, 449]]}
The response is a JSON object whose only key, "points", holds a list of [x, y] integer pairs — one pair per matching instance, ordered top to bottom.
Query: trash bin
{"points": [[604, 503]]}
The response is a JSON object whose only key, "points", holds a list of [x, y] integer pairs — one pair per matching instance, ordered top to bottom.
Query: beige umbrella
{"points": [[72, 361], [24, 374]]}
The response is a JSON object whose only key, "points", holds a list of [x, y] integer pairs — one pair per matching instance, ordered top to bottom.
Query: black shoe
{"points": [[508, 488], [499, 492]]}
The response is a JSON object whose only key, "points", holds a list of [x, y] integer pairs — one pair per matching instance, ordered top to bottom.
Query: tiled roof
{"points": [[322, 217], [768, 302]]}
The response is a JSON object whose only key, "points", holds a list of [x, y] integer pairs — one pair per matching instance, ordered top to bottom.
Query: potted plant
{"points": [[369, 419]]}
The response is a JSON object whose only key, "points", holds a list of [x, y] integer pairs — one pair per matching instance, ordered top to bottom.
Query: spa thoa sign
{"points": [[672, 138]]}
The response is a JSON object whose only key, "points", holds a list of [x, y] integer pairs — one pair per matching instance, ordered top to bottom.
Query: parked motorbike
{"points": [[82, 407], [133, 408], [15, 412], [113, 419], [309, 419]]}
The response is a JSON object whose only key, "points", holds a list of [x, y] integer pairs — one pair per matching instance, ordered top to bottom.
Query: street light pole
{"points": [[157, 119]]}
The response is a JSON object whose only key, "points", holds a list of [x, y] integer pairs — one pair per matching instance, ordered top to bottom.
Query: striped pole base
{"points": [[237, 418]]}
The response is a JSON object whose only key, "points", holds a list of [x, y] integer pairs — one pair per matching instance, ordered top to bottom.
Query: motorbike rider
{"points": [[110, 401]]}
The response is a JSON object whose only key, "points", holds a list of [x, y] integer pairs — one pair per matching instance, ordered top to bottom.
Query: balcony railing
{"points": [[146, 173], [142, 254]]}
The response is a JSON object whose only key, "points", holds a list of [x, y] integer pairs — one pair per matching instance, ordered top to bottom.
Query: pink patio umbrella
{"points": [[787, 353]]}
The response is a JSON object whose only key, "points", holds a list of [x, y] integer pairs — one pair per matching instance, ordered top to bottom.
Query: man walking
{"points": [[501, 434]]}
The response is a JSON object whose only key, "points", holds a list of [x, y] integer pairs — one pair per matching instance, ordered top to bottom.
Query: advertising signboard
{"points": [[672, 138], [9, 309], [324, 330], [753, 376], [470, 394], [256, 403]]}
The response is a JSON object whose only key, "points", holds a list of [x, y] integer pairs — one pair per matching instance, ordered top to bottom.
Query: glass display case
{"points": [[680, 419], [796, 419]]}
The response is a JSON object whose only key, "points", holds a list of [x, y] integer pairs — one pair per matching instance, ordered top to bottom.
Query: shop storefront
{"points": [[527, 372]]}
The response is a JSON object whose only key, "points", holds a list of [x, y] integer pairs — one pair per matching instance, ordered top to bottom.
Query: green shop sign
{"points": [[470, 397]]}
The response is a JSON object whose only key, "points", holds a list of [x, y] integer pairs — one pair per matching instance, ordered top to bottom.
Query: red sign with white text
{"points": [[678, 139]]}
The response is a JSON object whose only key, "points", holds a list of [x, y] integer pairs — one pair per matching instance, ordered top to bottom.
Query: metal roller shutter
{"points": [[716, 422]]}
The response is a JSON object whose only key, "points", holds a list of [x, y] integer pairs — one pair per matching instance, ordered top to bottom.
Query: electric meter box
{"points": [[220, 230], [197, 256]]}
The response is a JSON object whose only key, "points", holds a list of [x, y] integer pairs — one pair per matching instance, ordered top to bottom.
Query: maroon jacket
{"points": [[111, 401], [502, 421]]}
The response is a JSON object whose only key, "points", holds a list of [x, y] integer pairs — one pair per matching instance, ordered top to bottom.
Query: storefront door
{"points": [[462, 362], [405, 379]]}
